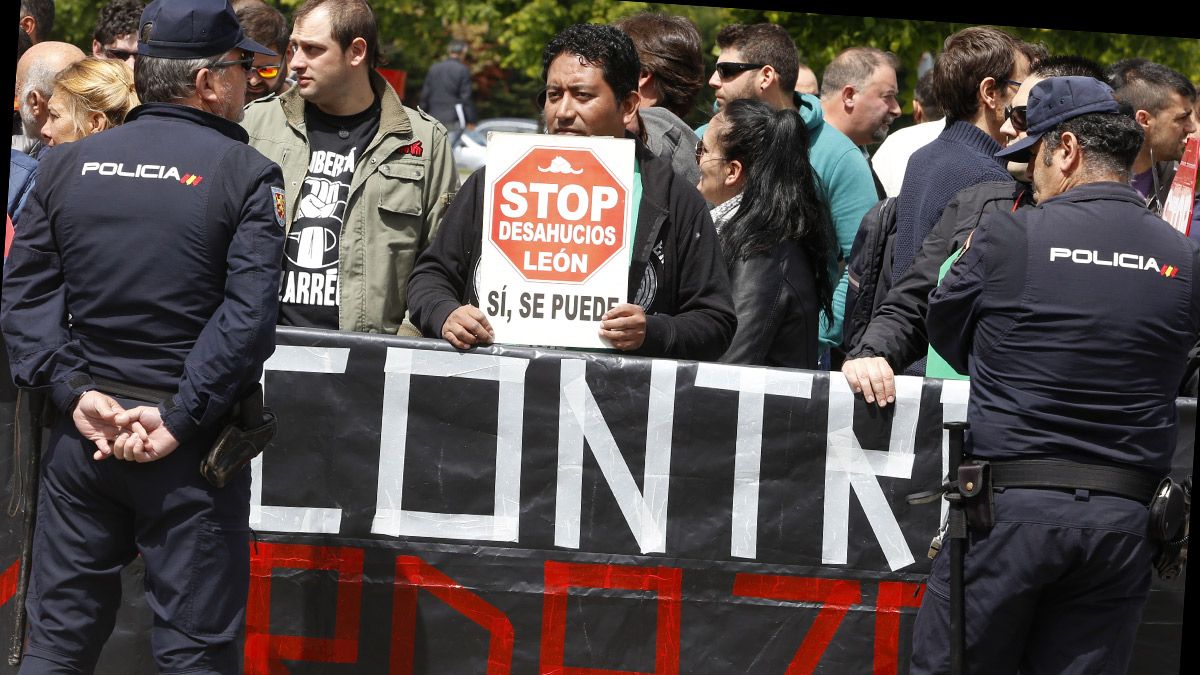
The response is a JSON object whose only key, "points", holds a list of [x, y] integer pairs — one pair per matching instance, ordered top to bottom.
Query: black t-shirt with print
{"points": [[308, 290]]}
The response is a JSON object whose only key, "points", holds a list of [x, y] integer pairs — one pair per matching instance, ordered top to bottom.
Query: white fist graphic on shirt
{"points": [[322, 199]]}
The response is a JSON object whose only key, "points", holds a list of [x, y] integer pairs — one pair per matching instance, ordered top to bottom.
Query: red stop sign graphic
{"points": [[558, 214]]}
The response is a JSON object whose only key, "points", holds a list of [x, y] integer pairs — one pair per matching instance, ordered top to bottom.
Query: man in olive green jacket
{"points": [[366, 178]]}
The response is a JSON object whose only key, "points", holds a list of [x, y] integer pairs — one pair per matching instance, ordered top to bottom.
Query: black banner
{"points": [[514, 510]]}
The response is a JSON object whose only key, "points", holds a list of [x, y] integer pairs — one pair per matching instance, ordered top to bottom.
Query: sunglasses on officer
{"points": [[246, 62], [731, 69], [1016, 113]]}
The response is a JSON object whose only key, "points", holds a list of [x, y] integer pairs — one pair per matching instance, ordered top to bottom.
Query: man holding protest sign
{"points": [[680, 304]]}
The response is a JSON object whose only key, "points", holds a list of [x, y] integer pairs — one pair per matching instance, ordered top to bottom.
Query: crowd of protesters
{"points": [[963, 110], [745, 226]]}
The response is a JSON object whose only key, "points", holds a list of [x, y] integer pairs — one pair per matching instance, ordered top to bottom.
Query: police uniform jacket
{"points": [[402, 184], [149, 254], [1074, 319]]}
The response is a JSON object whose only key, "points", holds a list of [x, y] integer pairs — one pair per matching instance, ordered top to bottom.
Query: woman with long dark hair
{"points": [[775, 231]]}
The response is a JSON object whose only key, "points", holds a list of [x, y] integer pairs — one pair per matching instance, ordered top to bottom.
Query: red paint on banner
{"points": [[414, 574], [8, 582], [667, 582], [834, 595], [891, 597], [264, 651]]}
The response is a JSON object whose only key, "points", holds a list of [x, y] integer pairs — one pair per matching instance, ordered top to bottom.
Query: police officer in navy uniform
{"points": [[148, 260], [1074, 319]]}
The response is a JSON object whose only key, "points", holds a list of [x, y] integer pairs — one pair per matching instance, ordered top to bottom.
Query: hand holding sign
{"points": [[467, 326], [624, 326]]}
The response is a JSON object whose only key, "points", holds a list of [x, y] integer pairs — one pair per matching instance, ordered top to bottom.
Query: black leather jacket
{"points": [[775, 296]]}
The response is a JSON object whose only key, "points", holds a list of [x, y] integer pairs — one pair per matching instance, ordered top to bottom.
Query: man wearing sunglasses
{"points": [[267, 26], [115, 36], [760, 61], [161, 240]]}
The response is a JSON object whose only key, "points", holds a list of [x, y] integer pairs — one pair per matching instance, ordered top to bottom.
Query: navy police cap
{"points": [[192, 29], [1055, 100]]}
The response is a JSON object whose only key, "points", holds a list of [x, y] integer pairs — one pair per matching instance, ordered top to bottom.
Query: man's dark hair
{"points": [[42, 12], [118, 18], [348, 19], [265, 25], [24, 42], [765, 43], [602, 47], [669, 47], [1033, 51], [968, 57], [1067, 65], [854, 66], [1146, 85], [923, 94], [1110, 142]]}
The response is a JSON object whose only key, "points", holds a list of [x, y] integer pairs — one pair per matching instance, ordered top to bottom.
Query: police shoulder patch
{"points": [[280, 204]]}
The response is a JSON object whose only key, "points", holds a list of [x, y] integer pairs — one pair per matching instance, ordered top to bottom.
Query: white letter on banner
{"points": [[296, 359], [752, 385], [955, 394], [578, 418], [848, 465], [390, 516]]}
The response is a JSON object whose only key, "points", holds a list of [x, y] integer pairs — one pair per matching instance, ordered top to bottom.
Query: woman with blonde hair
{"points": [[90, 95]]}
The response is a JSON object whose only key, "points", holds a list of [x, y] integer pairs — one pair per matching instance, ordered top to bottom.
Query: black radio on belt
{"points": [[252, 427], [1169, 516]]}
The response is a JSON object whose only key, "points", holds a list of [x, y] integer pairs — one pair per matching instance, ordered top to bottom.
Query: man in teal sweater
{"points": [[760, 61]]}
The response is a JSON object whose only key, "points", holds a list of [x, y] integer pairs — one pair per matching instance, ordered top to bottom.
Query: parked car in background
{"points": [[470, 146]]}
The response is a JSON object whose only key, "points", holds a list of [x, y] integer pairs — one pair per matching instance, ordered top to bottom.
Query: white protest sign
{"points": [[557, 232]]}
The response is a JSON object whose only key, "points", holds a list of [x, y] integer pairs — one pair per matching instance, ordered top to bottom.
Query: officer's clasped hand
{"points": [[95, 416], [143, 437]]}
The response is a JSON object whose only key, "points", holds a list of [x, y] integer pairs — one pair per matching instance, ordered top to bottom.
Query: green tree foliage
{"points": [[507, 38]]}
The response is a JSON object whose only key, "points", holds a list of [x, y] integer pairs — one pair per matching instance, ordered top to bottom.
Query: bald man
{"points": [[806, 81], [34, 84]]}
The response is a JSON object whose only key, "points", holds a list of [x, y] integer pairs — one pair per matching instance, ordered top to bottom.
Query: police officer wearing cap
{"points": [[147, 266], [1074, 319]]}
